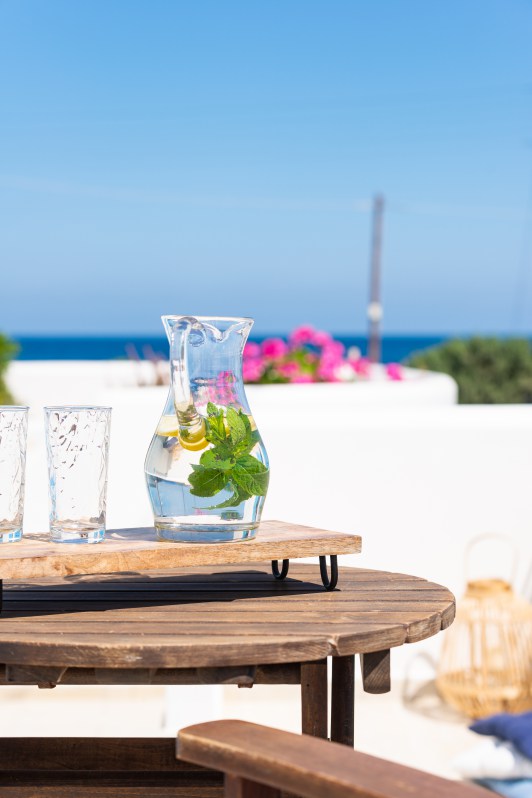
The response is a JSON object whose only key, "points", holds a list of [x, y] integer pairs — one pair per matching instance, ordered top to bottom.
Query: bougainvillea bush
{"points": [[309, 355]]}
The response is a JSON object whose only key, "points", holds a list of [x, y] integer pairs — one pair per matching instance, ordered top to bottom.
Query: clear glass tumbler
{"points": [[13, 433], [77, 443]]}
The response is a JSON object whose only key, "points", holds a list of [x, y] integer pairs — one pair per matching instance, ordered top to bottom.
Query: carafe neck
{"points": [[206, 366]]}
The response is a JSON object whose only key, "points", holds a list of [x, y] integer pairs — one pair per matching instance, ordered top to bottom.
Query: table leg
{"points": [[376, 672], [343, 700], [314, 718]]}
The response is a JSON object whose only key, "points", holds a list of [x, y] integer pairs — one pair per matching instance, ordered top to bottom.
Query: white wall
{"points": [[66, 382]]}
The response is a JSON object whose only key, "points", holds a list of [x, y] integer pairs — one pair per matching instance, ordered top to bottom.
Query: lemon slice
{"points": [[168, 427], [193, 441]]}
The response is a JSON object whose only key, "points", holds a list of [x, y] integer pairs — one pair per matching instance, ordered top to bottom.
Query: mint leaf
{"points": [[246, 422], [237, 428], [215, 431], [250, 438], [250, 441], [214, 458], [228, 463], [251, 475], [207, 481], [237, 498]]}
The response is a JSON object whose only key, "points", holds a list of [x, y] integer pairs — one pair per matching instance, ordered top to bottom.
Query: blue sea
{"points": [[395, 348]]}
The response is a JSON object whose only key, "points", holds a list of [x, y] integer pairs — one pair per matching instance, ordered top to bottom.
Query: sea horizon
{"points": [[395, 348]]}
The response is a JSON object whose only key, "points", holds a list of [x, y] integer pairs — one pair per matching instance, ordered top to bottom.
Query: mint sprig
{"points": [[228, 463]]}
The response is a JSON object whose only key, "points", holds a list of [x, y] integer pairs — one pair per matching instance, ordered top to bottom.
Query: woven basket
{"points": [[486, 661]]}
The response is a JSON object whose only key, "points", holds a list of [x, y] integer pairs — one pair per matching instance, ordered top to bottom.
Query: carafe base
{"points": [[182, 532]]}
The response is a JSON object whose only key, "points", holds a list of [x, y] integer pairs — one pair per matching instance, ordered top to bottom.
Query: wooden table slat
{"points": [[60, 625]]}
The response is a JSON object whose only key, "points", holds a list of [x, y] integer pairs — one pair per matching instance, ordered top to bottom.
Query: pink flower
{"points": [[302, 335], [321, 338], [274, 348], [251, 349], [333, 350], [362, 366], [252, 369], [288, 370], [328, 371], [394, 372], [224, 377], [303, 378], [211, 394]]}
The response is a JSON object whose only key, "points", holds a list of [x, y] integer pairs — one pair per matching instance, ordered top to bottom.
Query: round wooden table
{"points": [[220, 625]]}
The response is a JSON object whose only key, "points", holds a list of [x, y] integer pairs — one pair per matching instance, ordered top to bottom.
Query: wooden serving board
{"points": [[140, 550]]}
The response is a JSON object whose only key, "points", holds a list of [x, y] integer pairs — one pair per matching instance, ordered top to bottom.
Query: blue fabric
{"points": [[517, 729], [510, 788]]}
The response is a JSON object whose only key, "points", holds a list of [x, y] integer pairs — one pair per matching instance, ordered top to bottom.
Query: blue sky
{"points": [[220, 158]]}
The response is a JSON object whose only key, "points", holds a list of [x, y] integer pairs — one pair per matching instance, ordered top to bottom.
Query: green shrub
{"points": [[8, 350], [487, 370]]}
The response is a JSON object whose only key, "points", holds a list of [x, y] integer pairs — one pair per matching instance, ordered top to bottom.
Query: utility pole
{"points": [[375, 306]]}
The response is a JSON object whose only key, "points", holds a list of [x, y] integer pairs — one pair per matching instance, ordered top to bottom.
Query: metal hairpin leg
{"points": [[284, 570], [329, 582]]}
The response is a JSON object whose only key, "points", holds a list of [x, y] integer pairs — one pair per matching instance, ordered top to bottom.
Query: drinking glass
{"points": [[13, 433], [77, 443]]}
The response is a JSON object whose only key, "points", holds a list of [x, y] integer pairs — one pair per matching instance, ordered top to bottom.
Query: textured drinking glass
{"points": [[13, 431], [77, 444]]}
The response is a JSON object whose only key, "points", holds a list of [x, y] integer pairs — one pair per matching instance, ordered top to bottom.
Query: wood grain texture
{"points": [[139, 550], [207, 617], [286, 673], [376, 677], [314, 698], [343, 700], [104, 754], [307, 766], [103, 767], [123, 785], [235, 787]]}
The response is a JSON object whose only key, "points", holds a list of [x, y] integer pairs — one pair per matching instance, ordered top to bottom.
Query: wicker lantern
{"points": [[486, 661]]}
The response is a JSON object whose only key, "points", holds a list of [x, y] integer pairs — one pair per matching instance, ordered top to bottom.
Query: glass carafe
{"points": [[206, 468]]}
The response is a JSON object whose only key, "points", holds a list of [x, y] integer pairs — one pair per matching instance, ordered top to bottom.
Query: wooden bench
{"points": [[260, 762], [257, 763], [103, 767]]}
